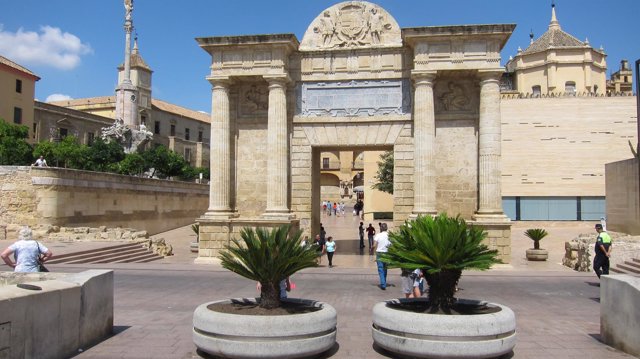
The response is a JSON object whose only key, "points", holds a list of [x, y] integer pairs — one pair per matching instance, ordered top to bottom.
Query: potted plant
{"points": [[194, 246], [536, 253], [268, 326], [442, 326]]}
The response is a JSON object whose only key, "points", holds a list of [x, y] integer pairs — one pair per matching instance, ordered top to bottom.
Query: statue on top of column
{"points": [[128, 6]]}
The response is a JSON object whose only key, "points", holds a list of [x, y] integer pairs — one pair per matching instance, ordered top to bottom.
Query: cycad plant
{"points": [[196, 229], [536, 234], [442, 247], [268, 256]]}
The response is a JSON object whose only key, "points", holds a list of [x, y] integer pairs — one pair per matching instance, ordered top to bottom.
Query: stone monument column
{"points": [[424, 120], [278, 148], [489, 151], [220, 189]]}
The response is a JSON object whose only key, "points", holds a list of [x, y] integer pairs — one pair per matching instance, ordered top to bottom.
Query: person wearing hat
{"points": [[603, 252]]}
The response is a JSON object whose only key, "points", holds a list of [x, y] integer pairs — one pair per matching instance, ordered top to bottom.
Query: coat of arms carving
{"points": [[353, 24]]}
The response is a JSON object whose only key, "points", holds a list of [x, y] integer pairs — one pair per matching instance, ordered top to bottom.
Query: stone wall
{"points": [[559, 146], [623, 196], [71, 198]]}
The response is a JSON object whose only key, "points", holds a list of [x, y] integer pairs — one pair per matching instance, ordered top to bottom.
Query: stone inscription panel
{"points": [[354, 98]]}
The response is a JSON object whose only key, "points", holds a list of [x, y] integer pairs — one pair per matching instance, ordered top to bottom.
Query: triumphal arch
{"points": [[355, 81]]}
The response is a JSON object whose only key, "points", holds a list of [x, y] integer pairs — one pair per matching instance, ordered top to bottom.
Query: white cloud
{"points": [[49, 47], [58, 97]]}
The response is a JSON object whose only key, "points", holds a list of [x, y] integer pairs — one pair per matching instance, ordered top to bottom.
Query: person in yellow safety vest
{"points": [[603, 251]]}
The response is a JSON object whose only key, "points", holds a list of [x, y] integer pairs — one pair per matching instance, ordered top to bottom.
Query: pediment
{"points": [[351, 25]]}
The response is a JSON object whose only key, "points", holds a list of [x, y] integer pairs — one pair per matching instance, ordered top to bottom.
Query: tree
{"points": [[14, 148], [70, 153], [104, 156], [165, 162], [133, 164], [385, 173], [441, 247], [268, 256]]}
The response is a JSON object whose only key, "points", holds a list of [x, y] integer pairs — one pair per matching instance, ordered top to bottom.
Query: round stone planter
{"points": [[537, 254], [424, 335], [279, 336]]}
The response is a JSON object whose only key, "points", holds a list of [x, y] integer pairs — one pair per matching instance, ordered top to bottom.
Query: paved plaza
{"points": [[557, 309]]}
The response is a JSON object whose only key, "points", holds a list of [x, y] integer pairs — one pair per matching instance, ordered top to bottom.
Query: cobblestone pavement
{"points": [[557, 310]]}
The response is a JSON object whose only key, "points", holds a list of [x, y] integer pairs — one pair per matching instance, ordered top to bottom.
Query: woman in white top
{"points": [[330, 248], [27, 252]]}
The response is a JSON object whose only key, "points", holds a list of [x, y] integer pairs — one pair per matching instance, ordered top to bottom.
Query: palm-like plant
{"points": [[196, 229], [536, 234], [442, 247], [268, 256]]}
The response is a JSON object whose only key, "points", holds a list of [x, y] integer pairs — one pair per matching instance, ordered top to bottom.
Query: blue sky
{"points": [[76, 45]]}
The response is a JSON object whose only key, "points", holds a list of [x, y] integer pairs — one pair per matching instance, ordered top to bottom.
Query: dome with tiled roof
{"points": [[554, 37]]}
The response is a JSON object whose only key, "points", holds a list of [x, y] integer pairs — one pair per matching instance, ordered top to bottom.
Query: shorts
{"points": [[407, 285]]}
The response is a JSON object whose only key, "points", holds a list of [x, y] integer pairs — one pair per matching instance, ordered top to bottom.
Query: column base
{"points": [[416, 214], [218, 215], [278, 216], [490, 217]]}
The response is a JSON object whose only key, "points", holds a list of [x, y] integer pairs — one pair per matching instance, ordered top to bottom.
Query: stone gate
{"points": [[359, 81]]}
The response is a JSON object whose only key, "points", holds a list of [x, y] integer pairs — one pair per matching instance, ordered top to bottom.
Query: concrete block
{"points": [[620, 312]]}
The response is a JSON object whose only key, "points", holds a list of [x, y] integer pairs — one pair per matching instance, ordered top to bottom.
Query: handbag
{"points": [[41, 267]]}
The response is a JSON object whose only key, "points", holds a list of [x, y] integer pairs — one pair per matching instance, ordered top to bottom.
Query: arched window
{"points": [[570, 88], [537, 90]]}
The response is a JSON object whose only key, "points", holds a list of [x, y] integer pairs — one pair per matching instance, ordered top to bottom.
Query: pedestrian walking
{"points": [[371, 232], [361, 233], [319, 243], [381, 245], [331, 249], [603, 252]]}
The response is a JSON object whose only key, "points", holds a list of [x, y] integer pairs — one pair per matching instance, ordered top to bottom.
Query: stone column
{"points": [[424, 136], [278, 148], [489, 151], [220, 189]]}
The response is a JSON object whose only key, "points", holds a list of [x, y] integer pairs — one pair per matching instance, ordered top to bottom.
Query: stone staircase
{"points": [[123, 253], [631, 267]]}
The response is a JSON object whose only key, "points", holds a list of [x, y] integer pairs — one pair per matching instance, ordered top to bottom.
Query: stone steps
{"points": [[123, 253], [631, 267]]}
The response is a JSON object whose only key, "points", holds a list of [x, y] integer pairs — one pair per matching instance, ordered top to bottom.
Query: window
{"points": [[18, 86], [570, 88], [537, 91], [17, 115], [143, 120], [156, 127], [35, 129], [172, 132], [62, 133], [186, 134], [199, 136], [91, 137], [187, 154], [325, 163]]}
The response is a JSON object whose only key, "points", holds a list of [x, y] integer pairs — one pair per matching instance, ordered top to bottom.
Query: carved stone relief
{"points": [[352, 24], [456, 96], [353, 98], [253, 100]]}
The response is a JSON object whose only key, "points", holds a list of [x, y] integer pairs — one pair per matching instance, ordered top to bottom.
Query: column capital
{"points": [[421, 75], [490, 75], [277, 79], [222, 81]]}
